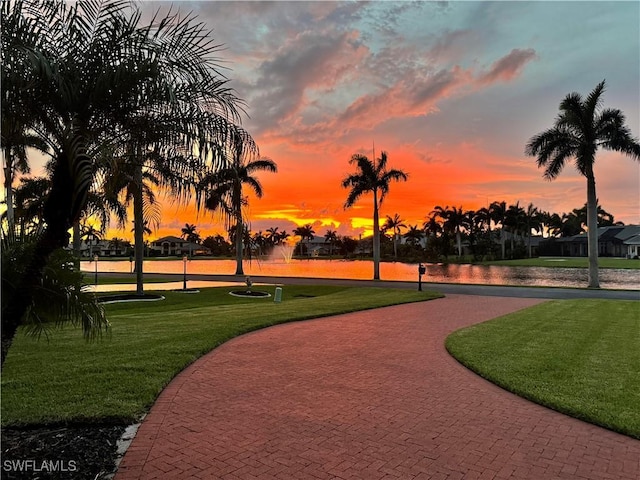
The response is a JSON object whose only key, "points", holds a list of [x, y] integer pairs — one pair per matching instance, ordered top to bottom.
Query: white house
{"points": [[175, 246], [633, 246]]}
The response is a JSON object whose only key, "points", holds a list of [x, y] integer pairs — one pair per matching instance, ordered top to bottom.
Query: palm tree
{"points": [[159, 78], [582, 127], [15, 142], [375, 178], [223, 188], [30, 197], [498, 211], [453, 220], [514, 221], [531, 221], [394, 223], [554, 224], [433, 229], [305, 232], [90, 233], [190, 235], [273, 235], [413, 235], [282, 237], [332, 237], [259, 239], [117, 243]]}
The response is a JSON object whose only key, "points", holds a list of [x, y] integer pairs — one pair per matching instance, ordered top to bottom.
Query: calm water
{"points": [[363, 270]]}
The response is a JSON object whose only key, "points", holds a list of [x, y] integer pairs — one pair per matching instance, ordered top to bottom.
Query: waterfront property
{"points": [[614, 241], [175, 246]]}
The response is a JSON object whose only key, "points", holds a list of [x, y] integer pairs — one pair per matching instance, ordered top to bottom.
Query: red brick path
{"points": [[368, 395]]}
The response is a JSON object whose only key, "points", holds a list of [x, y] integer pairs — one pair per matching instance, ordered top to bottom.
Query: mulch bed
{"points": [[249, 293], [74, 452]]}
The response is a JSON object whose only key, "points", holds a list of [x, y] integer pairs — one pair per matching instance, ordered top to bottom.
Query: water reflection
{"points": [[363, 270]]}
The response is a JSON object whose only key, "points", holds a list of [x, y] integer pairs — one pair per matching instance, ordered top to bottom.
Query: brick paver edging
{"points": [[367, 395]]}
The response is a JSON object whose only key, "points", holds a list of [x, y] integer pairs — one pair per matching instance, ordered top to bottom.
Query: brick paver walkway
{"points": [[368, 395]]}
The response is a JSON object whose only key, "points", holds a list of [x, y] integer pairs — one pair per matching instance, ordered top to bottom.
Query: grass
{"points": [[568, 262], [580, 357], [117, 379]]}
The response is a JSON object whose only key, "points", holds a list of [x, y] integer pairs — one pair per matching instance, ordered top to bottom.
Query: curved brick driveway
{"points": [[368, 395]]}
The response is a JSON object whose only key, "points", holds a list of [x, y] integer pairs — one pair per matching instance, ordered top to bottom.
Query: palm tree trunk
{"points": [[9, 196], [237, 206], [59, 214], [138, 227], [592, 234], [376, 238], [239, 241], [459, 242]]}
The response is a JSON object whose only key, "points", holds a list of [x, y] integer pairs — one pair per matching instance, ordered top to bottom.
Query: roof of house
{"points": [[628, 232], [611, 233], [169, 238], [635, 240]]}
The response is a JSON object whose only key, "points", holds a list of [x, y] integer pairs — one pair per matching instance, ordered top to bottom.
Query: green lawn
{"points": [[568, 262], [580, 357], [119, 377]]}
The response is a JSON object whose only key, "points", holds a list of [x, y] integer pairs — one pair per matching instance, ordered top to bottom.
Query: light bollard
{"points": [[421, 271], [184, 272], [277, 298]]}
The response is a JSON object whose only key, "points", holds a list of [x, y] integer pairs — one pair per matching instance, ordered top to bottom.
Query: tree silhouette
{"points": [[581, 127], [372, 177], [224, 187], [394, 224], [305, 232], [332, 237]]}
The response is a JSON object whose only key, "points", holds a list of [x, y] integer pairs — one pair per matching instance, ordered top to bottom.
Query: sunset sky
{"points": [[451, 90]]}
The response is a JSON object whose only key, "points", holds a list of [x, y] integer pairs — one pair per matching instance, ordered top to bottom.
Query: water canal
{"points": [[363, 270]]}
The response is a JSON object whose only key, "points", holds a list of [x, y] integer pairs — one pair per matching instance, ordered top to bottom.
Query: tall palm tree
{"points": [[582, 127], [375, 178], [123, 183], [223, 188], [394, 224], [305, 232]]}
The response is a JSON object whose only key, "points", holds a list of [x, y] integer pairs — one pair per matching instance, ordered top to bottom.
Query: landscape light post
{"points": [[95, 259], [421, 271], [184, 279]]}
